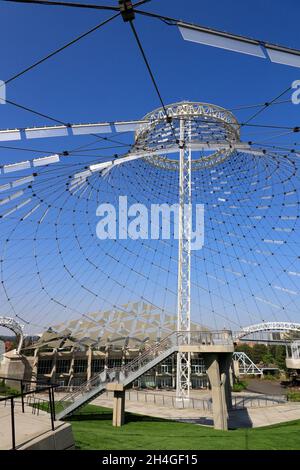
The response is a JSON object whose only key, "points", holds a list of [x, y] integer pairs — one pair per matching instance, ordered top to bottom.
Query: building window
{"points": [[112, 363], [97, 365], [44, 366], [63, 366], [80, 366], [198, 366], [165, 367], [76, 382], [165, 382], [199, 382]]}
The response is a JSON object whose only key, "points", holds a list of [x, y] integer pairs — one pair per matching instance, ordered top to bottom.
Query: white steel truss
{"points": [[184, 259], [267, 326], [17, 328], [246, 365]]}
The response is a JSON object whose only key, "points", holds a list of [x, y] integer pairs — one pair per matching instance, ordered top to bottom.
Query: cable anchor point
{"points": [[126, 9]]}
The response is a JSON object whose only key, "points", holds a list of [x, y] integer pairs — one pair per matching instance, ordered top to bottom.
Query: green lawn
{"points": [[92, 429]]}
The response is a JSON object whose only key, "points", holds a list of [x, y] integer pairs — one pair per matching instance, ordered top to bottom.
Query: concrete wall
{"points": [[60, 439]]}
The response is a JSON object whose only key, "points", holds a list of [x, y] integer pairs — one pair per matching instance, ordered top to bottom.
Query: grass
{"points": [[7, 391], [293, 396], [44, 405], [93, 430]]}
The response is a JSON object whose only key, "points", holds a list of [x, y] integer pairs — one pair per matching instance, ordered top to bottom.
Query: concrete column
{"points": [[106, 358], [89, 363], [224, 364], [35, 365], [236, 369], [53, 370], [71, 370], [231, 379], [217, 391], [119, 403]]}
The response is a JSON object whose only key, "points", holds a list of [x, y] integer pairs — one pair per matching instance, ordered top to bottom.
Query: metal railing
{"points": [[118, 374], [28, 390], [171, 401], [251, 401]]}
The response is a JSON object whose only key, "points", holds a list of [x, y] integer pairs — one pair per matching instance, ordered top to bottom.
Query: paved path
{"points": [[269, 387], [27, 425]]}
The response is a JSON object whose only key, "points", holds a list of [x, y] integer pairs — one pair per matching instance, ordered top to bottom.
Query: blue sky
{"points": [[103, 78]]}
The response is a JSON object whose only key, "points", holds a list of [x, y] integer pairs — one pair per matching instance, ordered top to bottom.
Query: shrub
{"points": [[239, 386], [293, 396]]}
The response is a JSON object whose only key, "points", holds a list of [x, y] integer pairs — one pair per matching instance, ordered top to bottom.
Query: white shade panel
{"points": [[220, 41], [282, 57], [103, 128], [40, 132], [10, 135], [45, 160]]}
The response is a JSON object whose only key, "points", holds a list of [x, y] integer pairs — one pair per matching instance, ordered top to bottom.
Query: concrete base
{"points": [[15, 366], [218, 366], [119, 403], [33, 431], [60, 439]]}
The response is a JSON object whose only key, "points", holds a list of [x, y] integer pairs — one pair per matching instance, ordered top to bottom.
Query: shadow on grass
{"points": [[107, 416]]}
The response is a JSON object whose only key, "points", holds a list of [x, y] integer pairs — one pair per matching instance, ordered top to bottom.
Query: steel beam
{"points": [[184, 260]]}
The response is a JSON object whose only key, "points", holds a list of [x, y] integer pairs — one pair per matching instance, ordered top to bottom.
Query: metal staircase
{"points": [[127, 374]]}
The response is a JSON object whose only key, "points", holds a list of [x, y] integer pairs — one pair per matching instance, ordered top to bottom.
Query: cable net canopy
{"points": [[54, 268]]}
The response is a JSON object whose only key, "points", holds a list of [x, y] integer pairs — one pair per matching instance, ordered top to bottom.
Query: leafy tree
{"points": [[244, 348], [258, 352], [280, 355]]}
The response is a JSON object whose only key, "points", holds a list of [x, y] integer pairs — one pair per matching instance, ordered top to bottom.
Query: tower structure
{"points": [[192, 136]]}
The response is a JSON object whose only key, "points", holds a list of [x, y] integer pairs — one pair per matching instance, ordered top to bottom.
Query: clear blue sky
{"points": [[104, 78]]}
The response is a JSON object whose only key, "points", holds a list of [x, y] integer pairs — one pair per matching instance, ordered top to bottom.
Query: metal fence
{"points": [[27, 396], [251, 401], [205, 404]]}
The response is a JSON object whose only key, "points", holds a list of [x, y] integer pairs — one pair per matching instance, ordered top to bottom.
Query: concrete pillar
{"points": [[106, 357], [89, 363], [224, 364], [35, 365], [13, 367], [71, 369], [236, 369], [53, 370], [231, 378], [119, 403], [220, 415]]}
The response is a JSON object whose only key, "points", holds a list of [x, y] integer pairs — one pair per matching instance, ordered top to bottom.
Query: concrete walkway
{"points": [[268, 387], [250, 417], [32, 430]]}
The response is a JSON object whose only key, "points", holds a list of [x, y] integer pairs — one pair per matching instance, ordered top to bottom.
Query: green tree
{"points": [[244, 348], [258, 352], [280, 355]]}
